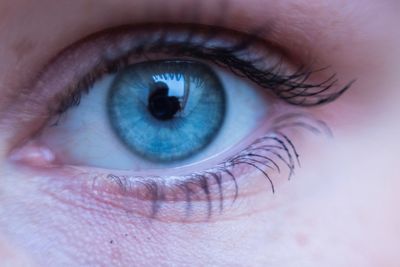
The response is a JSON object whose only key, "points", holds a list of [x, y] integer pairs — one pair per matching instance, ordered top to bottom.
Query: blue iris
{"points": [[167, 110]]}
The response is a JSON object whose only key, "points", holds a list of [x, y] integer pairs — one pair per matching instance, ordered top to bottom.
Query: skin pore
{"points": [[340, 209]]}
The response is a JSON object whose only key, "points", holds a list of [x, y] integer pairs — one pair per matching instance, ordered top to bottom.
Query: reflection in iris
{"points": [[167, 110]]}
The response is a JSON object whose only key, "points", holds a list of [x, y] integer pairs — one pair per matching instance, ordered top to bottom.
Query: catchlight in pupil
{"points": [[161, 105], [167, 111]]}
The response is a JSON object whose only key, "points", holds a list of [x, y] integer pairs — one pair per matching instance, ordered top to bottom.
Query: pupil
{"points": [[162, 106]]}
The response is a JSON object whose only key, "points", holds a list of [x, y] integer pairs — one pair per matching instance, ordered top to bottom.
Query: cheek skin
{"points": [[303, 222], [300, 226], [121, 238]]}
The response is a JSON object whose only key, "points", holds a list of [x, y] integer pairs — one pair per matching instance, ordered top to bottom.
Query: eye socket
{"points": [[86, 85]]}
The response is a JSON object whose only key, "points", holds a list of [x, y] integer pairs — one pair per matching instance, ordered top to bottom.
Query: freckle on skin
{"points": [[22, 48]]}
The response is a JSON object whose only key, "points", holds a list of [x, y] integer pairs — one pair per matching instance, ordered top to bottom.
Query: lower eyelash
{"points": [[271, 153]]}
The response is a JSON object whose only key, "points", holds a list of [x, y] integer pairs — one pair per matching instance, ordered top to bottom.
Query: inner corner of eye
{"points": [[155, 114], [34, 154]]}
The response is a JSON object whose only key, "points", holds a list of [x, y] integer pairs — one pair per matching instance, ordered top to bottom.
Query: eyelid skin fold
{"points": [[245, 55], [64, 79]]}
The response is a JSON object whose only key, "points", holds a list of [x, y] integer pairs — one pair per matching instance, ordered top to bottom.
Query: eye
{"points": [[158, 114], [169, 115]]}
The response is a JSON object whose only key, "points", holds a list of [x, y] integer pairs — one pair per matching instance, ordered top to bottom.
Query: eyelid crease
{"points": [[245, 55]]}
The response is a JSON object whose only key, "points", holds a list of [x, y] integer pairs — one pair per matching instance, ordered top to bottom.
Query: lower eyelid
{"points": [[107, 196], [193, 197]]}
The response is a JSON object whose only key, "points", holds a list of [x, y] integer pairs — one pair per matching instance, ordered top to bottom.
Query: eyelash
{"points": [[293, 88], [274, 151], [261, 155]]}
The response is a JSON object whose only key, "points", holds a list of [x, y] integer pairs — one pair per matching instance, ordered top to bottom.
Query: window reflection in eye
{"points": [[213, 105]]}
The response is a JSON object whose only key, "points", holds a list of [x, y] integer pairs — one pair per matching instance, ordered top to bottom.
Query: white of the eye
{"points": [[84, 136]]}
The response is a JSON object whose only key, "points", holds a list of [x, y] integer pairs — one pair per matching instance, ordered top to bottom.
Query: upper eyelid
{"points": [[197, 42], [117, 46], [55, 78], [46, 83], [28, 109]]}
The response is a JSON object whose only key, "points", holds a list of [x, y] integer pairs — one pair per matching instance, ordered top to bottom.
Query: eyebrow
{"points": [[77, 18]]}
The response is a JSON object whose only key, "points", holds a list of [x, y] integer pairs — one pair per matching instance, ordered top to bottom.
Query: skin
{"points": [[340, 209]]}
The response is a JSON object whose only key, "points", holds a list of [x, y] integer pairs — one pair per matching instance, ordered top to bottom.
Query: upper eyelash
{"points": [[292, 88]]}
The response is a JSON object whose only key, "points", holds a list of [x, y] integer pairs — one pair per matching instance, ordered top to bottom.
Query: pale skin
{"points": [[340, 209]]}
